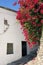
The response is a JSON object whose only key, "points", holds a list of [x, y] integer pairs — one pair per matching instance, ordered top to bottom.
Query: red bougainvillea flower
{"points": [[27, 1], [35, 1], [21, 2], [41, 5], [31, 6], [41, 11], [19, 15], [27, 16], [30, 16], [22, 20], [42, 21], [34, 23], [38, 24], [25, 31], [33, 42], [30, 45]]}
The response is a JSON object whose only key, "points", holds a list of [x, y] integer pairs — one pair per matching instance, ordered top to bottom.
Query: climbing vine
{"points": [[30, 16]]}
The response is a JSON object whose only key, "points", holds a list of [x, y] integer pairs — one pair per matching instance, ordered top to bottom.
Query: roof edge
{"points": [[8, 9]]}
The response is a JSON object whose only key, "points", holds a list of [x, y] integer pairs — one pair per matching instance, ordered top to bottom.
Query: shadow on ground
{"points": [[24, 59]]}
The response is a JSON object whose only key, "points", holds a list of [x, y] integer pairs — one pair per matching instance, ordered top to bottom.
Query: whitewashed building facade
{"points": [[12, 43]]}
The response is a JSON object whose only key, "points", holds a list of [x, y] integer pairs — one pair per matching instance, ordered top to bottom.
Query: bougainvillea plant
{"points": [[30, 16]]}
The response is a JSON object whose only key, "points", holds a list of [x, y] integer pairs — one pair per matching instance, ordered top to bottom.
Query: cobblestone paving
{"points": [[39, 59]]}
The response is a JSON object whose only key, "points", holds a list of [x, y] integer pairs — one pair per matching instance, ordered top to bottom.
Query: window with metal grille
{"points": [[9, 48]]}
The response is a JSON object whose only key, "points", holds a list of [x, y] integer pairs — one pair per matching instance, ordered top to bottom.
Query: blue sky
{"points": [[9, 4]]}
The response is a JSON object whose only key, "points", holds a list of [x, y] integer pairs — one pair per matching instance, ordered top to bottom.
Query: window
{"points": [[5, 22], [9, 48]]}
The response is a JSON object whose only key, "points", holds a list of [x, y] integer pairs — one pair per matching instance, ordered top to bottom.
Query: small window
{"points": [[5, 22], [9, 48]]}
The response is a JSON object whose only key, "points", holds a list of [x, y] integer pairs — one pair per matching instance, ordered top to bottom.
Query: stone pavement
{"points": [[39, 59]]}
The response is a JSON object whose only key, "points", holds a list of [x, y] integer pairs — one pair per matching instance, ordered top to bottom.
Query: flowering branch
{"points": [[30, 16]]}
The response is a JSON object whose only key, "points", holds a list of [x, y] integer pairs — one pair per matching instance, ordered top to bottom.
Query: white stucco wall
{"points": [[13, 35]]}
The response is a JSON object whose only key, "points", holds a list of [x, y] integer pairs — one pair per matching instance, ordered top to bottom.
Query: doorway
{"points": [[24, 48]]}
